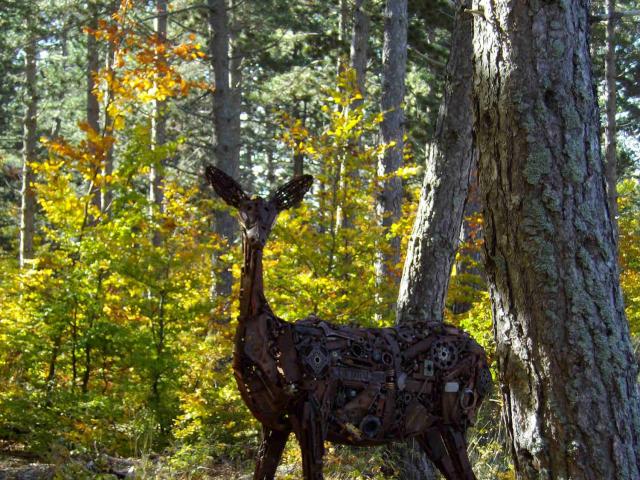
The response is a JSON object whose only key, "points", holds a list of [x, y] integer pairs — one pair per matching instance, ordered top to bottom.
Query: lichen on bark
{"points": [[568, 377]]}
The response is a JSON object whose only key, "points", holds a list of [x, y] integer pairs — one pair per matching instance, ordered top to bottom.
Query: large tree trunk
{"points": [[394, 62], [158, 126], [610, 128], [226, 131], [30, 143], [436, 232], [567, 372]]}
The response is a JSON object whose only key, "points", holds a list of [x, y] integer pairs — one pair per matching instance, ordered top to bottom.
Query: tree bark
{"points": [[343, 32], [359, 39], [394, 61], [93, 64], [93, 106], [158, 126], [610, 129], [226, 131], [29, 151], [107, 170], [436, 232], [567, 372]]}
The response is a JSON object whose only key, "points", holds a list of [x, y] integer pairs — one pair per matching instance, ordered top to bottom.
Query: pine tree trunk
{"points": [[359, 39], [394, 61], [93, 65], [93, 106], [158, 126], [226, 128], [610, 128], [105, 192], [28, 196], [436, 232], [567, 372]]}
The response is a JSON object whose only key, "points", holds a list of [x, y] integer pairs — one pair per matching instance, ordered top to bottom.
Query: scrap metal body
{"points": [[346, 384]]}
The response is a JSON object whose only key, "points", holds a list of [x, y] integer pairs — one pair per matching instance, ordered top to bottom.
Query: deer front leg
{"points": [[310, 432], [270, 452]]}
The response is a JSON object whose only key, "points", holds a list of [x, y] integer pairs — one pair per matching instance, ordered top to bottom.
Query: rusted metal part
{"points": [[358, 386]]}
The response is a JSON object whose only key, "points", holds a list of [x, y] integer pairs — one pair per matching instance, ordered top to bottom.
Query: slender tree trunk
{"points": [[343, 33], [359, 39], [64, 51], [394, 61], [93, 64], [235, 79], [93, 106], [158, 126], [610, 129], [226, 131], [29, 154], [298, 156], [298, 164], [271, 173], [349, 177], [248, 178], [105, 192], [436, 232], [74, 346], [55, 351], [567, 372], [86, 375]]}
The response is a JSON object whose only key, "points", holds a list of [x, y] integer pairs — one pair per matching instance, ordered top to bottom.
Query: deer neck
{"points": [[252, 299]]}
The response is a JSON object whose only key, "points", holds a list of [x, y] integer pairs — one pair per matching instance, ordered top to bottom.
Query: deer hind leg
{"points": [[310, 432], [273, 442], [447, 449]]}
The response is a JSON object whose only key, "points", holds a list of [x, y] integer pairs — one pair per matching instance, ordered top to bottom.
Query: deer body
{"points": [[344, 384]]}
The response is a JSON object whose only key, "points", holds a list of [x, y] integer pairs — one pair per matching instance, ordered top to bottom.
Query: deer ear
{"points": [[225, 186], [291, 193]]}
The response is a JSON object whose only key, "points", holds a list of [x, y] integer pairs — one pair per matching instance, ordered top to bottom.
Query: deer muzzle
{"points": [[257, 235]]}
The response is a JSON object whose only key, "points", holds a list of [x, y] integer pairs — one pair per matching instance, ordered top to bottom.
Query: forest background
{"points": [[117, 294]]}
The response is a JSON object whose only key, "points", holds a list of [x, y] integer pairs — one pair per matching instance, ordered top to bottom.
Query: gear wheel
{"points": [[444, 354]]}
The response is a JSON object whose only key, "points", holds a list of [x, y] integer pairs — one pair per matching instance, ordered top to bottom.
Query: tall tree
{"points": [[359, 40], [394, 65], [92, 66], [611, 109], [159, 120], [226, 132], [29, 146], [105, 192], [436, 231], [568, 376]]}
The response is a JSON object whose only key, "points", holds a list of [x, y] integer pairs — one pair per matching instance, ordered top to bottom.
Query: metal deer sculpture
{"points": [[356, 386]]}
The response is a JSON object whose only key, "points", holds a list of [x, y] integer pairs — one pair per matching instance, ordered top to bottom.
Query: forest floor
{"points": [[107, 468]]}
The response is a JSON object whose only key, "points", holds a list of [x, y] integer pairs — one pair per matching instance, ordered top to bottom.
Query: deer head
{"points": [[257, 215]]}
